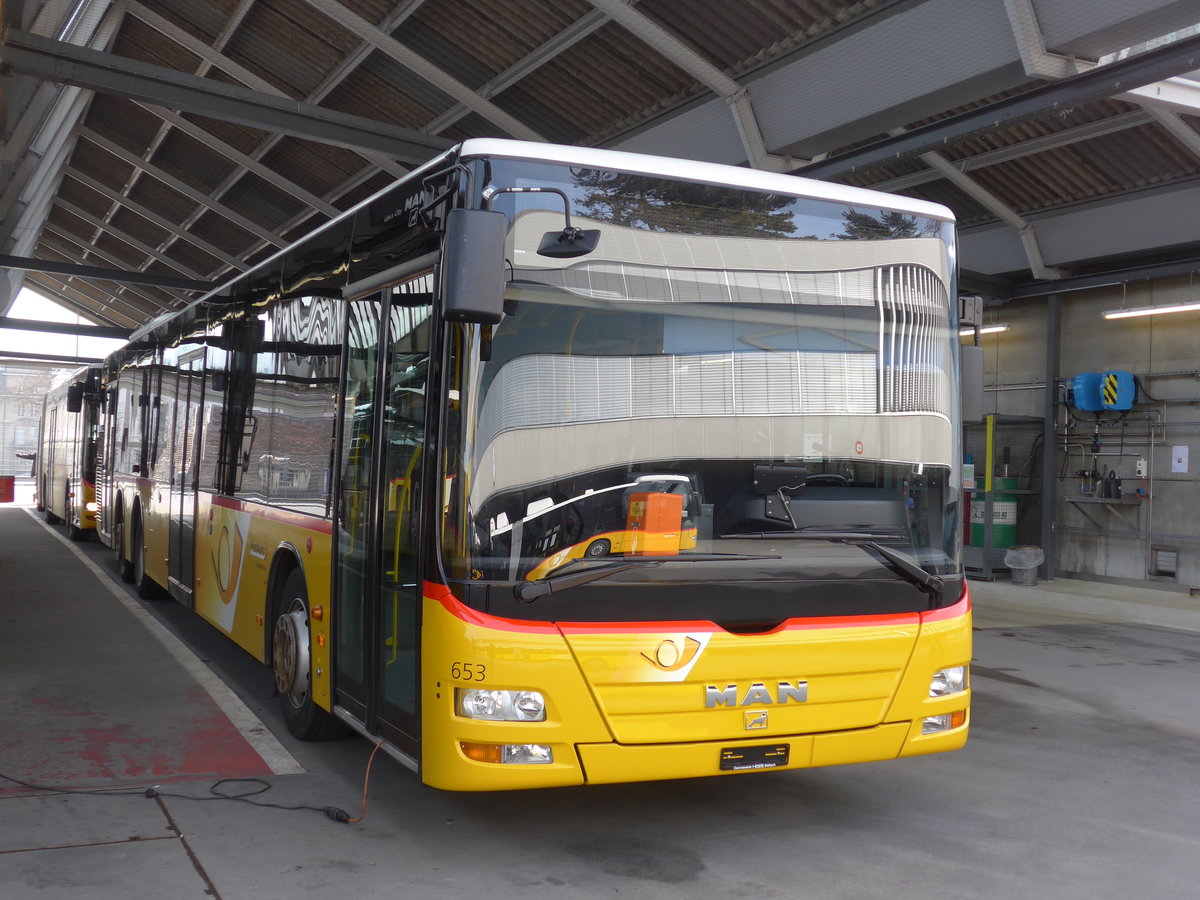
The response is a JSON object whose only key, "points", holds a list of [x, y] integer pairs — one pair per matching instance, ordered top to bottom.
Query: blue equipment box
{"points": [[1119, 390], [1083, 391], [1098, 391]]}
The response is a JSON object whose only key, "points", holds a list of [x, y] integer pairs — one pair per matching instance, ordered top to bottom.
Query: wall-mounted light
{"points": [[1152, 310], [984, 329]]}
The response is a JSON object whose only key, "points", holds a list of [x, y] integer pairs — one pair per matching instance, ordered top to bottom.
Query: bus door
{"points": [[107, 463], [48, 467], [182, 554], [378, 588]]}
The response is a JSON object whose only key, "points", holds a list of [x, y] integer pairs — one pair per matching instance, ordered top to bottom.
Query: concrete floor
{"points": [[1079, 779]]}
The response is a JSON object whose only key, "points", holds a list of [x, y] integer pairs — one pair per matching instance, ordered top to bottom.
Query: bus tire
{"points": [[124, 566], [143, 585], [291, 666]]}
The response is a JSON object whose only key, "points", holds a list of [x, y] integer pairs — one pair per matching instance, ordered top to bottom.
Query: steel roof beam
{"points": [[561, 42], [680, 54], [212, 56], [418, 64], [124, 77], [331, 81], [1095, 84], [1179, 129], [1063, 138], [248, 163], [182, 187], [124, 202], [996, 206], [124, 237], [70, 247], [93, 273], [1106, 279], [89, 307], [105, 331], [49, 357]]}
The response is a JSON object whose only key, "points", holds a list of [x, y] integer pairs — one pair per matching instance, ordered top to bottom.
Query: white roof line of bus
{"points": [[707, 172]]}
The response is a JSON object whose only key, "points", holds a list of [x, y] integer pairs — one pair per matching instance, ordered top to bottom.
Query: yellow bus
{"points": [[551, 465], [65, 468]]}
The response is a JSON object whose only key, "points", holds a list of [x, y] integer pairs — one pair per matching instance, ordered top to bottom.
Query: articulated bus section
{"points": [[65, 471], [632, 702]]}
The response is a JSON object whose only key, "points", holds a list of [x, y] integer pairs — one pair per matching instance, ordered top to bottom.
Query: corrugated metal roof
{"points": [[231, 191]]}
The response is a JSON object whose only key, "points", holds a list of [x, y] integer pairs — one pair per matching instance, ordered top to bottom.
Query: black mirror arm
{"points": [[489, 193]]}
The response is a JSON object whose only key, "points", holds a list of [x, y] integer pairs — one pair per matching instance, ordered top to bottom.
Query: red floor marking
{"points": [[56, 745]]}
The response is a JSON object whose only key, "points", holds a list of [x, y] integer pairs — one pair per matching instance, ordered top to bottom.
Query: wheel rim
{"points": [[598, 548], [290, 660]]}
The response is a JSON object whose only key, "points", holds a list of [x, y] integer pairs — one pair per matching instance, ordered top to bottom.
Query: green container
{"points": [[1004, 514]]}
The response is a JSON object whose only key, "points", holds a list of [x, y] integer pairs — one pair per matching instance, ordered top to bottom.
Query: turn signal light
{"points": [[944, 722], [485, 753], [512, 754]]}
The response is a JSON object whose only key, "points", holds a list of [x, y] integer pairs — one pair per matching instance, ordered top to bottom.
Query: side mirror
{"points": [[569, 243], [473, 272], [75, 397]]}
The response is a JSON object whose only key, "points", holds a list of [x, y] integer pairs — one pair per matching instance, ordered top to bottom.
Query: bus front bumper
{"points": [[615, 763]]}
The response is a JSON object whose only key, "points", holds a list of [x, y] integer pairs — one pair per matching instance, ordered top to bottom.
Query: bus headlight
{"points": [[91, 507], [952, 680], [500, 706]]}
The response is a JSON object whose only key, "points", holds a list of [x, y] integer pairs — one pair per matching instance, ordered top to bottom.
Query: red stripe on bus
{"points": [[286, 516], [439, 593], [443, 595], [959, 609]]}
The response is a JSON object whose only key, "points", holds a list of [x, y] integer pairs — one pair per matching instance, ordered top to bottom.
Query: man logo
{"points": [[668, 656], [756, 695], [755, 719]]}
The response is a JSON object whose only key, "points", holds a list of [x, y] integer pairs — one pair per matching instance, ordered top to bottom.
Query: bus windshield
{"points": [[734, 388]]}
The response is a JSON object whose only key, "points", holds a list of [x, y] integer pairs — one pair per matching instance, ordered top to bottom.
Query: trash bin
{"points": [[8, 491], [1023, 562]]}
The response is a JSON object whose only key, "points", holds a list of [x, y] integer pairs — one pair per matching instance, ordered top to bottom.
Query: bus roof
{"points": [[590, 157], [704, 172]]}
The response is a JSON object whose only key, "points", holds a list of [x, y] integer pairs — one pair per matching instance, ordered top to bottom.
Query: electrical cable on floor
{"points": [[366, 781], [216, 792]]}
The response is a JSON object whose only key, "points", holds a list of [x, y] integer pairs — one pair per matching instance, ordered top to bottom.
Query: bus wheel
{"points": [[598, 548], [124, 566], [143, 584], [291, 664]]}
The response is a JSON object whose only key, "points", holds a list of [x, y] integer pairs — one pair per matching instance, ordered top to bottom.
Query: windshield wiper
{"points": [[910, 570], [559, 580], [528, 591]]}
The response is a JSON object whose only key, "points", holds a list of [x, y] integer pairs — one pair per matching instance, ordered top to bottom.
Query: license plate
{"points": [[766, 756]]}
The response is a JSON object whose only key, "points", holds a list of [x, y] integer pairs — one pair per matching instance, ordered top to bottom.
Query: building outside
{"points": [[23, 387]]}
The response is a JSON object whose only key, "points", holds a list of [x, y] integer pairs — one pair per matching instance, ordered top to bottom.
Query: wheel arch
{"points": [[285, 561]]}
